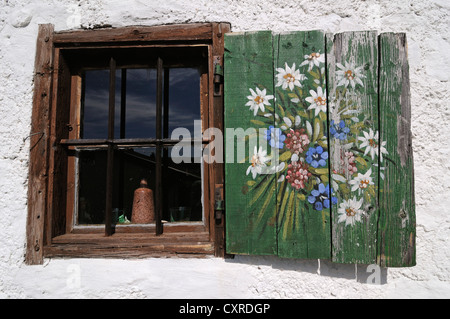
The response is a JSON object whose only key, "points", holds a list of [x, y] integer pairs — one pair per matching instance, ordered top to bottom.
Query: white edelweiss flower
{"points": [[314, 58], [349, 74], [289, 77], [257, 100], [318, 100], [370, 142], [258, 160], [361, 181], [350, 212]]}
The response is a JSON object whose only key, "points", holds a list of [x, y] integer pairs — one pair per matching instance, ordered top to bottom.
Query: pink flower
{"points": [[297, 141], [349, 163], [297, 174]]}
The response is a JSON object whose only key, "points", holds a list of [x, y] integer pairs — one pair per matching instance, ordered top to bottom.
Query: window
{"points": [[106, 108], [124, 121]]}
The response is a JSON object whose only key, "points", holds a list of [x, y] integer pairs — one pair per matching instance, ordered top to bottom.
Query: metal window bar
{"points": [[159, 106], [123, 111], [143, 142], [160, 142], [165, 154], [109, 227]]}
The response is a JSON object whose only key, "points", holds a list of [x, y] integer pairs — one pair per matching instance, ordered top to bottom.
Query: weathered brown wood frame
{"points": [[51, 177]]}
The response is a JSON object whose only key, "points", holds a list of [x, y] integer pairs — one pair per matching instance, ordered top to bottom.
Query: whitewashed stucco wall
{"points": [[426, 23]]}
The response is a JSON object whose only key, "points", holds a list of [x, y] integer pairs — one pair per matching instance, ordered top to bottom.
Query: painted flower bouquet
{"points": [[299, 131]]}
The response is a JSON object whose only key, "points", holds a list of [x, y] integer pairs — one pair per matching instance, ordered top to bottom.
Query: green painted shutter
{"points": [[354, 121], [331, 175], [249, 196], [303, 219], [397, 224]]}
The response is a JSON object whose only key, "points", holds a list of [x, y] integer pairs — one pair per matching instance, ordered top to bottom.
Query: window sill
{"points": [[130, 245]]}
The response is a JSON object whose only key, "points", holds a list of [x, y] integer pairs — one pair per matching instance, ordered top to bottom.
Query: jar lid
{"points": [[144, 183]]}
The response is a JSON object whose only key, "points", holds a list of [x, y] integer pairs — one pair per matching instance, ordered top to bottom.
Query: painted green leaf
{"points": [[257, 122], [285, 156], [361, 160]]}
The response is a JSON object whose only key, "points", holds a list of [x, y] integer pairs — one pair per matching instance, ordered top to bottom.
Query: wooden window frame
{"points": [[50, 231]]}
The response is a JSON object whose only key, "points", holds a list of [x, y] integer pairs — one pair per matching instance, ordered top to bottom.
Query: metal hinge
{"points": [[218, 76], [219, 203]]}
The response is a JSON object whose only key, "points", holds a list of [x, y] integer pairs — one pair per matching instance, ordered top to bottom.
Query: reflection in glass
{"points": [[184, 99], [139, 102], [95, 106], [140, 107], [135, 117]]}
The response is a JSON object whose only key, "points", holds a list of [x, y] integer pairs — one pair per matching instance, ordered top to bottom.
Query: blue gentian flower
{"points": [[339, 131], [275, 137], [315, 156], [320, 197]]}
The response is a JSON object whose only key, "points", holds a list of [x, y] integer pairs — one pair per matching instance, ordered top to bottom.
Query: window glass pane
{"points": [[184, 99], [139, 105], [95, 106], [95, 110], [135, 117], [140, 119], [131, 166], [91, 187], [182, 187]]}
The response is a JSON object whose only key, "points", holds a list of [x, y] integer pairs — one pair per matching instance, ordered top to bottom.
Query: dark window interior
{"points": [[135, 118]]}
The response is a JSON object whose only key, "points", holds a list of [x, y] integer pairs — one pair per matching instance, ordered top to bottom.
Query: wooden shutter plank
{"points": [[352, 83], [249, 202], [397, 208], [303, 225]]}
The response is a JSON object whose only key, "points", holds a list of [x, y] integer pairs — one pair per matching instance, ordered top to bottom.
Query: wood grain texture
{"points": [[185, 32], [65, 92], [216, 119], [354, 120], [365, 127], [57, 163], [38, 166], [249, 199], [397, 205], [303, 226], [130, 245]]}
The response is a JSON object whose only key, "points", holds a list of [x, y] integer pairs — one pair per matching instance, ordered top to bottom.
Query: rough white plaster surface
{"points": [[426, 23]]}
